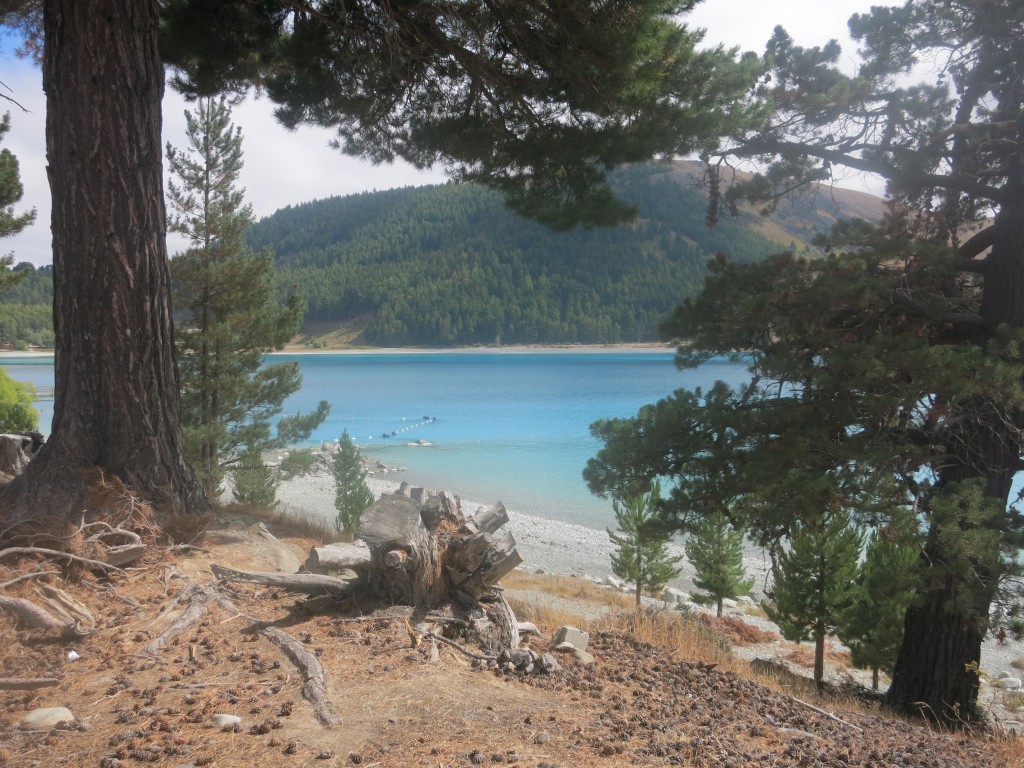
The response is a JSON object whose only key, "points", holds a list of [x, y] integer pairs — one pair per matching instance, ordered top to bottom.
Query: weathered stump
{"points": [[14, 454], [418, 549]]}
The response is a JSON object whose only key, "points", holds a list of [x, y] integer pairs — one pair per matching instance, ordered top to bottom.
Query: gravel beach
{"points": [[551, 546]]}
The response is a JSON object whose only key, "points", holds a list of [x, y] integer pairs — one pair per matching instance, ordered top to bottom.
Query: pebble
{"points": [[46, 717], [223, 721]]}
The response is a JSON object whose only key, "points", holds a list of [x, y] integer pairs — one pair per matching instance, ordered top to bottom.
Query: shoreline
{"points": [[512, 349], [547, 545]]}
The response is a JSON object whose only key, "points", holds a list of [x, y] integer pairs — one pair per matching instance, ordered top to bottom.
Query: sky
{"points": [[290, 167]]}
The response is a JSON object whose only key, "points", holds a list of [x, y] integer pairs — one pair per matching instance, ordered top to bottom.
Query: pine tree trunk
{"points": [[116, 391], [639, 593], [719, 606], [819, 658], [936, 667], [936, 671], [874, 678]]}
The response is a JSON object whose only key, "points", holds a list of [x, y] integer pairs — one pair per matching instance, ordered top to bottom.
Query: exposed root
{"points": [[201, 597], [30, 615]]}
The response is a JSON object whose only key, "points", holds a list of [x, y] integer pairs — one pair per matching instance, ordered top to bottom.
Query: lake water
{"points": [[502, 426]]}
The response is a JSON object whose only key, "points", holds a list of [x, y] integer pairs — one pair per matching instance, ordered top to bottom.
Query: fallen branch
{"points": [[56, 554], [24, 576], [294, 582], [462, 648], [26, 683], [829, 715]]}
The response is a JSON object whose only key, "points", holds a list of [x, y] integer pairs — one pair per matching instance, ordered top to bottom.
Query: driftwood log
{"points": [[418, 549]]}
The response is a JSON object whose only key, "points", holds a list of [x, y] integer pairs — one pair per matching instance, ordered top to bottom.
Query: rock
{"points": [[612, 582], [675, 596], [745, 600], [728, 602], [528, 628], [567, 634], [564, 647], [584, 658], [548, 663], [1012, 683], [46, 717], [223, 721], [542, 738]]}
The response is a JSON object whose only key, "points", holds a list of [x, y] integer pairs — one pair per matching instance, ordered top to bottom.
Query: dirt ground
{"points": [[395, 705]]}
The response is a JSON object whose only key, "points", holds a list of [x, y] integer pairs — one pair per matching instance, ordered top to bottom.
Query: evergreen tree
{"points": [[948, 149], [11, 190], [233, 316], [16, 411], [253, 482], [352, 496], [641, 549], [715, 550], [814, 581], [872, 625]]}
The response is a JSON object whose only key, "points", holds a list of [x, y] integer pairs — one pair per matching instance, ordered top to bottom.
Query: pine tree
{"points": [[11, 190], [233, 316], [16, 411], [253, 482], [352, 496], [641, 550], [715, 550], [814, 580], [872, 625]]}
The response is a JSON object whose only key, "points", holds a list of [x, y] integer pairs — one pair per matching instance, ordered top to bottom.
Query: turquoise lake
{"points": [[502, 426]]}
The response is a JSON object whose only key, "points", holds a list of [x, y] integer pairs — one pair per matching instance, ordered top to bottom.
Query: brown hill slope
{"points": [[641, 704]]}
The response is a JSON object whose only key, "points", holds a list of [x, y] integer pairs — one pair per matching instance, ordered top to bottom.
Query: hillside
{"points": [[450, 265]]}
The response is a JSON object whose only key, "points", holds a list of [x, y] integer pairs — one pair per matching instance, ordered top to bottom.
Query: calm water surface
{"points": [[508, 427]]}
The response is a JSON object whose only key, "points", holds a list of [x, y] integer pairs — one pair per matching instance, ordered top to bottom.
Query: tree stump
{"points": [[14, 456], [418, 549]]}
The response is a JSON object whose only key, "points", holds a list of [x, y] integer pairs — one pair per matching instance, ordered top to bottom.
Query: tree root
{"points": [[201, 597], [30, 615], [27, 683]]}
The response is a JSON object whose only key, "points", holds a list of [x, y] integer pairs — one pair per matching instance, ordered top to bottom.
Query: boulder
{"points": [[577, 637], [46, 717]]}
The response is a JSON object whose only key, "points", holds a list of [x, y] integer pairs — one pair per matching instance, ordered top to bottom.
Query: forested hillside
{"points": [[449, 265], [26, 309]]}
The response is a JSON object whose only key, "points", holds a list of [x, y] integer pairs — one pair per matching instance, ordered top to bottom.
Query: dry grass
{"points": [[286, 523], [736, 630], [685, 637], [804, 655], [1018, 663]]}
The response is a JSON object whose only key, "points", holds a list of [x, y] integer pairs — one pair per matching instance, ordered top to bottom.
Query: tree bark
{"points": [[116, 393], [936, 674]]}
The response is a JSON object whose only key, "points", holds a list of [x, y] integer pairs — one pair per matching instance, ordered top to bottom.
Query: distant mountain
{"points": [[450, 265]]}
